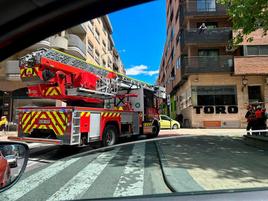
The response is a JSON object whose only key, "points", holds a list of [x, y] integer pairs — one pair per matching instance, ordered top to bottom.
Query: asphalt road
{"points": [[189, 163], [121, 171]]}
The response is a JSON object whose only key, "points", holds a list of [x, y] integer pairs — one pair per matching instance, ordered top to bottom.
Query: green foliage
{"points": [[247, 16]]}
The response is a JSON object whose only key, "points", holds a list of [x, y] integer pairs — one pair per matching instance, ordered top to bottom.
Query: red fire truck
{"points": [[100, 104]]}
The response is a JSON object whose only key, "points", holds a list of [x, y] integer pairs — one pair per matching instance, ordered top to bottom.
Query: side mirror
{"points": [[13, 161]]}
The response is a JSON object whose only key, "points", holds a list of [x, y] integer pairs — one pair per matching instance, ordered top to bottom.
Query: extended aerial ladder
{"points": [[50, 73]]}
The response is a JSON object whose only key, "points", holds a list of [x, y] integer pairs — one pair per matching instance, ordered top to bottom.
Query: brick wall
{"points": [[259, 39], [251, 65]]}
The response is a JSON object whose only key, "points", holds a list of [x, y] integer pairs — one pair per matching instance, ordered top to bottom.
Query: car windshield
{"points": [[164, 97], [10, 157]]}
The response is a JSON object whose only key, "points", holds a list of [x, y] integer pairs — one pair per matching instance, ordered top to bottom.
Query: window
{"points": [[206, 5], [90, 26], [172, 34], [97, 35], [178, 39], [104, 44], [90, 48], [256, 50], [208, 52], [97, 56], [178, 63], [254, 94], [216, 95], [165, 118]]}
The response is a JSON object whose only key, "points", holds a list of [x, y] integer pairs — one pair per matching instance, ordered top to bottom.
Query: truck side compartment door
{"points": [[94, 131]]}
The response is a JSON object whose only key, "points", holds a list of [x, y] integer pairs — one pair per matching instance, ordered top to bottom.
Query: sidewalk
{"points": [[198, 131], [4, 136]]}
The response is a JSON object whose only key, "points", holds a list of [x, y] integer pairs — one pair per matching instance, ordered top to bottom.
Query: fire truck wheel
{"points": [[155, 130], [109, 137]]}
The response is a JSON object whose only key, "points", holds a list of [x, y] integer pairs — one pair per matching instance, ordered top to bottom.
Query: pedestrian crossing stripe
{"points": [[131, 181]]}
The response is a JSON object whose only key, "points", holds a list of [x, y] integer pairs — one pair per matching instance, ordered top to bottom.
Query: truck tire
{"points": [[155, 130], [109, 136]]}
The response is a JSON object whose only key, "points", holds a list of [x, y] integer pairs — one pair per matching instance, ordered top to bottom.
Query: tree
{"points": [[247, 16]]}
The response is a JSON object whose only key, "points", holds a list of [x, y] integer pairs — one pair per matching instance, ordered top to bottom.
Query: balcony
{"points": [[193, 9], [78, 29], [215, 36], [76, 46], [206, 64], [251, 65], [12, 70]]}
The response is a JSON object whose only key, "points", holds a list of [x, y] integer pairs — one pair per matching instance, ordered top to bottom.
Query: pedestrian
{"points": [[202, 28], [250, 116], [259, 118], [263, 121], [3, 124]]}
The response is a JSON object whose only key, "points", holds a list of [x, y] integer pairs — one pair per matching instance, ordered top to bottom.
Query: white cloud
{"points": [[141, 69]]}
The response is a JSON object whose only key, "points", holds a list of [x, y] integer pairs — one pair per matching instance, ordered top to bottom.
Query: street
{"points": [[179, 163]]}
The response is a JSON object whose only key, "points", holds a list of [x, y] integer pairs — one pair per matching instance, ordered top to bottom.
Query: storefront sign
{"points": [[216, 109]]}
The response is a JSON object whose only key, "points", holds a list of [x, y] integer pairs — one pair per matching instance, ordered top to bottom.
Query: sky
{"points": [[139, 36]]}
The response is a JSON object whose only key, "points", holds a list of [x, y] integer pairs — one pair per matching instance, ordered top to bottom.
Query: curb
{"points": [[161, 158], [177, 179]]}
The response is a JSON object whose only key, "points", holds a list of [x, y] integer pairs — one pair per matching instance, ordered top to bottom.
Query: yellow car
{"points": [[167, 122]]}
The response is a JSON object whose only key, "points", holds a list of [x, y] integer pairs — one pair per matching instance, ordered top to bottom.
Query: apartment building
{"points": [[91, 41], [210, 83]]}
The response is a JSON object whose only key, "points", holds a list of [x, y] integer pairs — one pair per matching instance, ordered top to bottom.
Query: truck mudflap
{"points": [[37, 140]]}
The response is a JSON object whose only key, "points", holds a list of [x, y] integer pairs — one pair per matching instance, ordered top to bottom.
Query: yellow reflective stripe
{"points": [[22, 72], [48, 91], [82, 114], [88, 114], [105, 114], [110, 114], [34, 115], [24, 116], [63, 116], [58, 119], [27, 120], [55, 124]]}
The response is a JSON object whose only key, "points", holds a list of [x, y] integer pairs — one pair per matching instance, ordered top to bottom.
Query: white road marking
{"points": [[132, 180], [33, 181], [81, 182]]}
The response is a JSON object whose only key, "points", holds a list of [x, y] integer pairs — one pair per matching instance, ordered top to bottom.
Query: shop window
{"points": [[254, 94], [216, 95]]}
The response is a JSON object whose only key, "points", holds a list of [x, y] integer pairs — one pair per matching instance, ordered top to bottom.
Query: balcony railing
{"points": [[195, 9], [78, 29], [210, 35], [76, 46], [207, 64]]}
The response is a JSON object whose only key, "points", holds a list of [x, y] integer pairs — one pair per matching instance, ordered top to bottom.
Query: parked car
{"points": [[167, 122], [12, 160], [4, 171]]}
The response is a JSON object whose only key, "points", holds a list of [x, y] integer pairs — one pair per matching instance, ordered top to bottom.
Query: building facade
{"points": [[91, 41], [210, 83]]}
